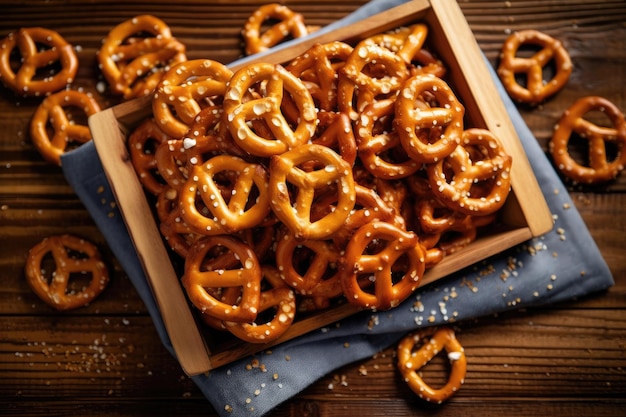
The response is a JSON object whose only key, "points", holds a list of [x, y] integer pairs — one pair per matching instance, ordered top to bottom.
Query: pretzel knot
{"points": [[289, 23], [39, 48], [136, 53], [274, 86], [536, 89], [184, 90], [54, 112], [429, 118], [572, 123], [287, 178], [475, 178], [245, 206], [385, 257], [75, 259], [203, 283], [417, 349]]}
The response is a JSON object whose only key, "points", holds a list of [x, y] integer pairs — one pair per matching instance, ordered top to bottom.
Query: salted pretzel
{"points": [[288, 24], [39, 48], [135, 54], [511, 64], [318, 69], [276, 83], [184, 90], [429, 118], [52, 128], [334, 130], [142, 145], [379, 147], [600, 168], [475, 178], [247, 205], [295, 212], [391, 245], [200, 283], [62, 286], [417, 349]]}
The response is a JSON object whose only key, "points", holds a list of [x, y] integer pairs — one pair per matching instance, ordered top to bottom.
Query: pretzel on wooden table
{"points": [[38, 48], [64, 133]]}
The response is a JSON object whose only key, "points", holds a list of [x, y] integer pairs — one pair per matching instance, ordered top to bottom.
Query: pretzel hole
{"points": [[48, 268], [78, 282]]}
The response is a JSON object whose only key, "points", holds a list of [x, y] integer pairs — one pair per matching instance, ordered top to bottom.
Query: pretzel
{"points": [[289, 23], [39, 48], [135, 54], [318, 69], [536, 89], [184, 90], [267, 108], [429, 118], [572, 122], [334, 130], [64, 132], [142, 144], [379, 147], [475, 178], [246, 206], [296, 215], [178, 236], [392, 244], [244, 278], [62, 287], [417, 349]]}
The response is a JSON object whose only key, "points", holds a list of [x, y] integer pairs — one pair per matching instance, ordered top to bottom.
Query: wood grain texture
{"points": [[106, 359]]}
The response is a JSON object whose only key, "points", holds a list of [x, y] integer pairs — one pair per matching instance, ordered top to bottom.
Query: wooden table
{"points": [[106, 359]]}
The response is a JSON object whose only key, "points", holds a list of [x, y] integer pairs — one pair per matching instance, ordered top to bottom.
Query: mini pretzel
{"points": [[289, 23], [29, 42], [133, 63], [318, 69], [184, 90], [536, 90], [240, 111], [429, 118], [572, 122], [65, 133], [142, 144], [379, 148], [285, 173], [460, 179], [247, 205], [391, 244], [72, 257], [244, 278], [417, 349]]}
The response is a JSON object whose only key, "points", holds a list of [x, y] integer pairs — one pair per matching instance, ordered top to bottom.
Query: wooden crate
{"points": [[525, 213]]}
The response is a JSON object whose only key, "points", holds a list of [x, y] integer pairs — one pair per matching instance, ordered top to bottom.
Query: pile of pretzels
{"points": [[341, 175]]}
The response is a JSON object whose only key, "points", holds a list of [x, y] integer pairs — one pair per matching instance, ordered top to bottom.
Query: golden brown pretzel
{"points": [[289, 23], [29, 42], [132, 62], [536, 89], [184, 90], [54, 111], [240, 111], [429, 118], [572, 123], [142, 145], [379, 147], [285, 172], [475, 179], [247, 205], [392, 244], [73, 257], [245, 278], [417, 349]]}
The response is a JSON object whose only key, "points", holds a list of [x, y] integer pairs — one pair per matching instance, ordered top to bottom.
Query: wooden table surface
{"points": [[106, 359]]}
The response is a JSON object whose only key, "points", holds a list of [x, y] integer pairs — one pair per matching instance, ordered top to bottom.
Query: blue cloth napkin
{"points": [[563, 264]]}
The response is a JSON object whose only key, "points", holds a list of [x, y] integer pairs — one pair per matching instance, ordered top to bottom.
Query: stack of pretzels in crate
{"points": [[343, 174]]}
